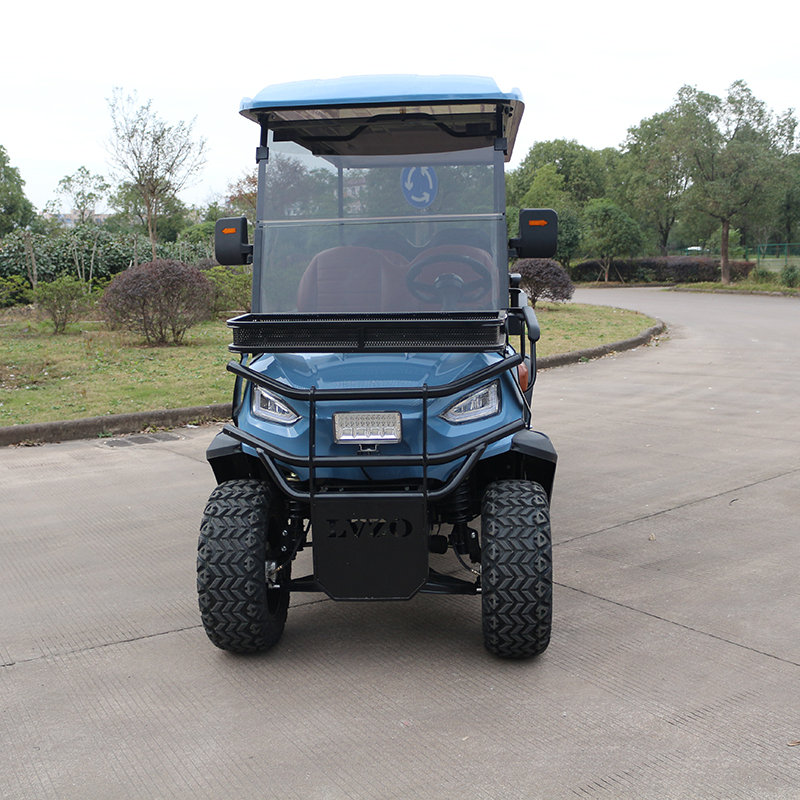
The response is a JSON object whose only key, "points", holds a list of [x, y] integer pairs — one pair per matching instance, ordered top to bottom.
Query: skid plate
{"points": [[375, 549]]}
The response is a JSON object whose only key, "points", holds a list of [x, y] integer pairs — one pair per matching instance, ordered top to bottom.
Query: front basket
{"points": [[460, 331]]}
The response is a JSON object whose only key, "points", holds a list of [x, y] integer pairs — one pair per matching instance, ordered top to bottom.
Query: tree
{"points": [[735, 148], [155, 159], [583, 170], [653, 173], [290, 189], [546, 190], [83, 192], [789, 200], [16, 211], [610, 232], [569, 236]]}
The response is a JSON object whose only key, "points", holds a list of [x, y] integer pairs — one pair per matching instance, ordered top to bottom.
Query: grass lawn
{"points": [[575, 326], [89, 371]]}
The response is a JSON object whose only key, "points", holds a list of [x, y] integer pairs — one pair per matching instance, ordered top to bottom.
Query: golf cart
{"points": [[379, 406]]}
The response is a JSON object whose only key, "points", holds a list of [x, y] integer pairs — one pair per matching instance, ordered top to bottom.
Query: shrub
{"points": [[86, 248], [662, 269], [763, 275], [790, 276], [544, 279], [231, 288], [15, 291], [63, 300], [160, 300]]}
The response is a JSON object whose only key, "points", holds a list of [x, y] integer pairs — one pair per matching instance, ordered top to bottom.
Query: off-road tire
{"points": [[241, 527], [516, 569]]}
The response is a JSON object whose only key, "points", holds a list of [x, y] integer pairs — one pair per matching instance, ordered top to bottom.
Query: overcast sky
{"points": [[587, 70]]}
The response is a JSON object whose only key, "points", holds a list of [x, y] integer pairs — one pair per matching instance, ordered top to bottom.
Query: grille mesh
{"points": [[459, 331]]}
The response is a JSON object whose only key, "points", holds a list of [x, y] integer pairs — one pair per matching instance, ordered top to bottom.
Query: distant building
{"points": [[71, 219]]}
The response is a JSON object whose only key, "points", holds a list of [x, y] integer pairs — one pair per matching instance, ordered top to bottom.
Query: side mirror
{"points": [[538, 233], [230, 241]]}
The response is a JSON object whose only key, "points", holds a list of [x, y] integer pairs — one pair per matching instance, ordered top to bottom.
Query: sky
{"points": [[587, 70]]}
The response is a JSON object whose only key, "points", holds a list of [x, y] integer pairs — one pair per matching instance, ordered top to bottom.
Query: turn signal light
{"points": [[524, 377]]}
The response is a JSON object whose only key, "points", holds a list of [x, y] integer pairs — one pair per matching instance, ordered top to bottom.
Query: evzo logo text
{"points": [[368, 528]]}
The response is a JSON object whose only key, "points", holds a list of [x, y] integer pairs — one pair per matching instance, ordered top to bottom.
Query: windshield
{"points": [[381, 233]]}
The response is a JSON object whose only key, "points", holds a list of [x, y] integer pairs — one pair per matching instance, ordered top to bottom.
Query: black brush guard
{"points": [[371, 544]]}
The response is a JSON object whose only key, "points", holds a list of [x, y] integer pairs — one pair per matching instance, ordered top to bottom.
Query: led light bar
{"points": [[367, 428]]}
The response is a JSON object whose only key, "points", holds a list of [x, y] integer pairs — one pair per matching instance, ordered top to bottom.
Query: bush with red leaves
{"points": [[544, 279], [160, 300]]}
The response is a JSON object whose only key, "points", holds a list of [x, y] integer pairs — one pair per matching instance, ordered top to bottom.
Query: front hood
{"points": [[370, 370]]}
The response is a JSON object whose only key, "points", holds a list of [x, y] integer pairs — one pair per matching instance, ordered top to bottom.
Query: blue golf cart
{"points": [[382, 401]]}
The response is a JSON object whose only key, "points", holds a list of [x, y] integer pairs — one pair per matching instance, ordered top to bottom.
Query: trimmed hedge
{"points": [[105, 253], [661, 269]]}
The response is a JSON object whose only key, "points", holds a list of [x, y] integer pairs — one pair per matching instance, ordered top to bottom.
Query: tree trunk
{"points": [[150, 210], [151, 231], [725, 264], [33, 275]]}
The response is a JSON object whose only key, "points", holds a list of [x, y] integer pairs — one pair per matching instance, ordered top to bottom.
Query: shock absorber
{"points": [[295, 535], [463, 539]]}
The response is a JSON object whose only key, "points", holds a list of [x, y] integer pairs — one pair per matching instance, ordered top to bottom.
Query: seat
{"points": [[349, 279]]}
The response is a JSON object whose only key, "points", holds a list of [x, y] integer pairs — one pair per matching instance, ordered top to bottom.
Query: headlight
{"points": [[482, 403], [267, 406]]}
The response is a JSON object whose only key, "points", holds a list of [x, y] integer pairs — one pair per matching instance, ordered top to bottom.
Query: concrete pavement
{"points": [[674, 670]]}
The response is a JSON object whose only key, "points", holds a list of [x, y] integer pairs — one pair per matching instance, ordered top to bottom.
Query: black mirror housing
{"points": [[538, 233], [230, 241]]}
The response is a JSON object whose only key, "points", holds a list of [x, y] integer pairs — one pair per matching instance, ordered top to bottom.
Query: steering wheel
{"points": [[449, 289]]}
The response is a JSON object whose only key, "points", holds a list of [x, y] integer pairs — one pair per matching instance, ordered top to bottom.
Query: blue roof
{"points": [[379, 89]]}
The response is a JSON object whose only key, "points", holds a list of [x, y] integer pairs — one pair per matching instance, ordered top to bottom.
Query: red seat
{"points": [[347, 279]]}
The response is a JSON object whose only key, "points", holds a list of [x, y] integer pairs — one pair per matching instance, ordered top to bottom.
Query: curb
{"points": [[756, 292], [577, 356], [116, 424], [110, 425]]}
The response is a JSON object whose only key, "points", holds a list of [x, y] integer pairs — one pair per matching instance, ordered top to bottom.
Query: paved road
{"points": [[674, 670]]}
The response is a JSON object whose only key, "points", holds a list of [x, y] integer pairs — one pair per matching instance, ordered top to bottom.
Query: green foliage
{"points": [[734, 148], [705, 165], [583, 171], [653, 174], [546, 190], [82, 192], [16, 211], [170, 219], [609, 232], [200, 233], [569, 236], [87, 249], [762, 275], [790, 276], [544, 279], [232, 288], [15, 291], [160, 300], [62, 301]]}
